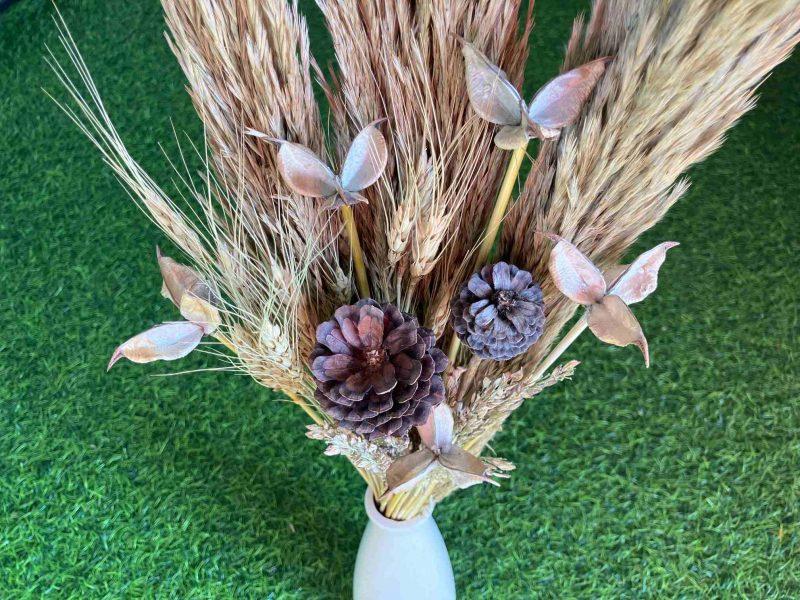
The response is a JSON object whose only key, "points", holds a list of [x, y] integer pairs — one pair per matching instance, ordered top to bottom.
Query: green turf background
{"points": [[678, 481]]}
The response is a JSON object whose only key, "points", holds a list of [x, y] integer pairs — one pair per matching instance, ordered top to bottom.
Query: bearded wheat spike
{"points": [[499, 397], [370, 456]]}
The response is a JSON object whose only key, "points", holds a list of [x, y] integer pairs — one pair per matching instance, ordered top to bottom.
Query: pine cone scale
{"points": [[402, 338], [335, 367]]}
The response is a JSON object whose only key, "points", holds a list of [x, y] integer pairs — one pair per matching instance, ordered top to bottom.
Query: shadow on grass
{"points": [[274, 507]]}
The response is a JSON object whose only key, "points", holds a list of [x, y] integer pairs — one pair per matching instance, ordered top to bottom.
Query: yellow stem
{"points": [[500, 205], [493, 227], [355, 251], [561, 347], [452, 351], [304, 405], [369, 478], [416, 503], [403, 504], [391, 506]]}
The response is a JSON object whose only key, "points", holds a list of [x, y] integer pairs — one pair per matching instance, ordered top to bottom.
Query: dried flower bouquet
{"points": [[386, 275]]}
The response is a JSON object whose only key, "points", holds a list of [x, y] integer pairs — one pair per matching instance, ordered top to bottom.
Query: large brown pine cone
{"points": [[499, 312], [377, 370]]}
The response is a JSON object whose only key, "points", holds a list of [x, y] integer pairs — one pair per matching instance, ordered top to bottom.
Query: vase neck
{"points": [[384, 522]]}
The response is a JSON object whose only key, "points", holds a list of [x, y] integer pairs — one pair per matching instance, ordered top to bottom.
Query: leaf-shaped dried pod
{"points": [[491, 94], [560, 101], [556, 105], [365, 160], [307, 174], [574, 274], [177, 278], [640, 279], [194, 297], [200, 311], [609, 317], [612, 322], [168, 341], [437, 431], [437, 449], [466, 469], [405, 472]]}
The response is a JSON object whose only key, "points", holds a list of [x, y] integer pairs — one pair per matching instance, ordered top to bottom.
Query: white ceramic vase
{"points": [[402, 560]]}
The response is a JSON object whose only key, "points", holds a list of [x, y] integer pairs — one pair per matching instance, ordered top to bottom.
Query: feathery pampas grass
{"points": [[682, 73]]}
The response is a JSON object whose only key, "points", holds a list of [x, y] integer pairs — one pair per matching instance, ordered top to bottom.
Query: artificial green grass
{"points": [[677, 481]]}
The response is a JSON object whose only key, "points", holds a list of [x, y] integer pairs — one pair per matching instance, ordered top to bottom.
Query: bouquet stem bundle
{"points": [[681, 73], [500, 206]]}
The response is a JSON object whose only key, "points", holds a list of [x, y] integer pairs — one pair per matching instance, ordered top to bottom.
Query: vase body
{"points": [[402, 560]]}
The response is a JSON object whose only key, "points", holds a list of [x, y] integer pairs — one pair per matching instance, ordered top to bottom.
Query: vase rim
{"points": [[385, 522]]}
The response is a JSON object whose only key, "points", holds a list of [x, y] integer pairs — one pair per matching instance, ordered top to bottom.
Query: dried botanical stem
{"points": [[500, 205], [493, 226], [355, 251], [561, 347], [452, 351], [304, 405], [369, 478], [413, 504], [389, 505]]}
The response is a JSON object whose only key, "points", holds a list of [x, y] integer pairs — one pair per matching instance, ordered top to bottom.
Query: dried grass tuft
{"points": [[402, 60]]}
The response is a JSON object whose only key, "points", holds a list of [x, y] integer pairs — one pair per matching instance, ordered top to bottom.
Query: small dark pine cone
{"points": [[499, 312], [377, 370]]}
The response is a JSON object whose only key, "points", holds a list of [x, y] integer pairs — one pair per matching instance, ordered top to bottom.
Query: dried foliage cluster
{"points": [[677, 74]]}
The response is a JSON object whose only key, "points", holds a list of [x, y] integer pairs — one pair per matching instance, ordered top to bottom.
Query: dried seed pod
{"points": [[556, 105], [308, 175], [609, 317], [168, 341], [438, 450]]}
